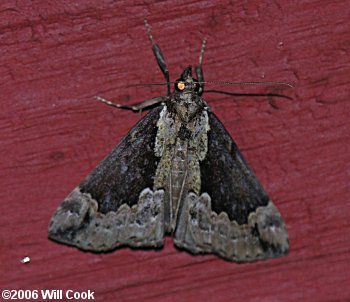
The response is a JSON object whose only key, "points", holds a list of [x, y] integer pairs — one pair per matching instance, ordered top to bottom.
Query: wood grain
{"points": [[57, 55]]}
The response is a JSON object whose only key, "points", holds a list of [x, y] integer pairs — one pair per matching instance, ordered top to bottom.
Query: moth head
{"points": [[186, 83], [185, 102]]}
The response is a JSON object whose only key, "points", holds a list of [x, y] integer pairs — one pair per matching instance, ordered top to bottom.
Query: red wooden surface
{"points": [[56, 55]]}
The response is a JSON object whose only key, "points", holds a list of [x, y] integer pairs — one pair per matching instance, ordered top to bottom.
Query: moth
{"points": [[176, 172]]}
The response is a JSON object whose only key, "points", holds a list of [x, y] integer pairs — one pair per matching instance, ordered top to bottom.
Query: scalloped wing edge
{"points": [[203, 231]]}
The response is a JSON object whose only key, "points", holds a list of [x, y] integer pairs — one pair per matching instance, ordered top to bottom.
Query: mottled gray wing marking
{"points": [[113, 205], [233, 217], [77, 221], [201, 230]]}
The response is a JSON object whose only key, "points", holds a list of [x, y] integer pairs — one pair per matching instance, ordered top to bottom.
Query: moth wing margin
{"points": [[114, 206], [233, 217], [78, 222], [201, 230]]}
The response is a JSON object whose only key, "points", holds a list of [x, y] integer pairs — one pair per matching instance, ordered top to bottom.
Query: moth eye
{"points": [[181, 85]]}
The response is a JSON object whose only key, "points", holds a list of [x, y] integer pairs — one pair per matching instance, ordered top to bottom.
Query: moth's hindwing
{"points": [[115, 204], [233, 217]]}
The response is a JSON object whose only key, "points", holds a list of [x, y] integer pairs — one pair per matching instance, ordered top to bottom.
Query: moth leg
{"points": [[159, 56], [199, 70], [135, 107], [77, 221], [200, 230]]}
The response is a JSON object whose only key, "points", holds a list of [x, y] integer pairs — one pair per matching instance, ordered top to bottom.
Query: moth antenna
{"points": [[216, 82], [248, 83], [150, 84]]}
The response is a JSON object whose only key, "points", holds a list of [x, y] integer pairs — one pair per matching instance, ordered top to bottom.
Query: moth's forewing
{"points": [[227, 178], [107, 210], [233, 217]]}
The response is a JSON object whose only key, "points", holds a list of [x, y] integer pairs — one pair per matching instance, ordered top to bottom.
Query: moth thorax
{"points": [[186, 106]]}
